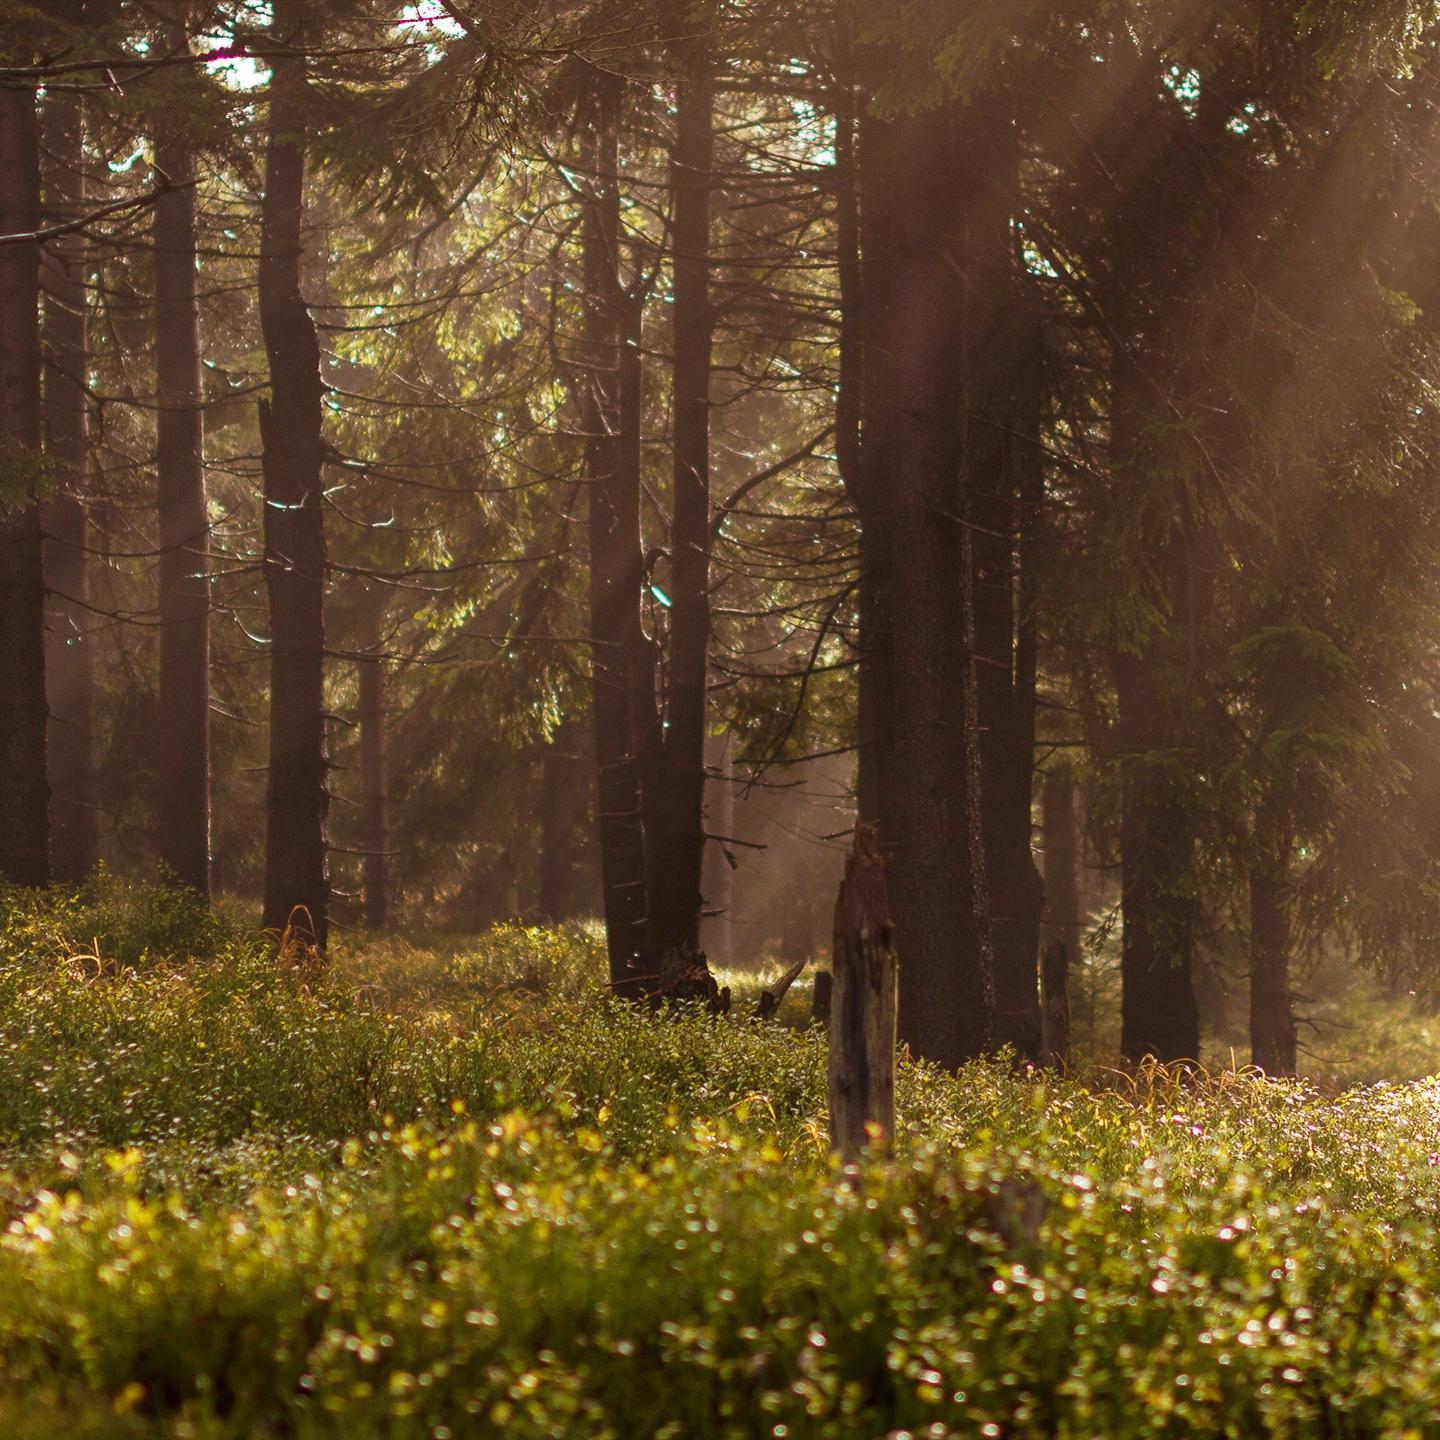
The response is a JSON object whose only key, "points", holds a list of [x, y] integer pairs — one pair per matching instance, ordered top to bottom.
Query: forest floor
{"points": [[451, 1190]]}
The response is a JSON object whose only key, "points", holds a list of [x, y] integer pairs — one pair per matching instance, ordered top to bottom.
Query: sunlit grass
{"points": [[453, 1186]]}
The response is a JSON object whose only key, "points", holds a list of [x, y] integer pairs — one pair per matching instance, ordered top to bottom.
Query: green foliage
{"points": [[242, 1201]]}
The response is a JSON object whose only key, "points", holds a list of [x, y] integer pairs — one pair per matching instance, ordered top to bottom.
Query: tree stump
{"points": [[862, 1024]]}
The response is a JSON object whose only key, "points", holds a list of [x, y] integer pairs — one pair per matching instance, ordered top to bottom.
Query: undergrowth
{"points": [[458, 1190]]}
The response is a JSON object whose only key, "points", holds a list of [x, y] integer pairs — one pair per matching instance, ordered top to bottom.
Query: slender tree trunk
{"points": [[863, 238], [611, 404], [850, 413], [1006, 487], [184, 600], [69, 669], [564, 786], [24, 789], [374, 793], [297, 801], [676, 819], [937, 870], [719, 873], [1064, 919], [1158, 1012], [1272, 1021]]}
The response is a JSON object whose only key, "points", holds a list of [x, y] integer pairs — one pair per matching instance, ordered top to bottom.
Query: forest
{"points": [[719, 718]]}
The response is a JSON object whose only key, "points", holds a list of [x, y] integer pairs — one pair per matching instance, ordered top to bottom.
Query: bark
{"points": [[859, 380], [611, 404], [1006, 489], [184, 599], [69, 664], [931, 783], [24, 789], [564, 791], [374, 793], [297, 801], [675, 813], [719, 872], [1064, 917], [1055, 1005], [1158, 1013], [1272, 1021], [861, 1067]]}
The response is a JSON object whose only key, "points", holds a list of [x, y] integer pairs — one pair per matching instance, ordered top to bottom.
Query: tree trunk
{"points": [[611, 404], [855, 407], [1006, 487], [184, 599], [69, 666], [24, 789], [564, 790], [374, 793], [297, 801], [676, 818], [932, 830], [1064, 918], [719, 932], [1055, 1005], [1158, 1013], [1272, 1021], [861, 1070]]}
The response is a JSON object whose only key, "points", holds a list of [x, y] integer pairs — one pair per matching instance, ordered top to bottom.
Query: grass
{"points": [[456, 1190]]}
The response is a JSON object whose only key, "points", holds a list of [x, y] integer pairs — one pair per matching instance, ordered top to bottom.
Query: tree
{"points": [[915, 448], [184, 522], [69, 679], [24, 790], [297, 797], [675, 811]]}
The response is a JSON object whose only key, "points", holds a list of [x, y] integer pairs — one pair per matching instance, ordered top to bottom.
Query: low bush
{"points": [[240, 1199], [512, 1277]]}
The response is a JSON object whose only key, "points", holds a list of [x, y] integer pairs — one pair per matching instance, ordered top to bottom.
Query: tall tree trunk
{"points": [[611, 398], [855, 399], [1006, 487], [184, 600], [69, 668], [24, 789], [564, 791], [374, 793], [297, 801], [676, 819], [1060, 832], [936, 856], [719, 872], [1064, 919], [1158, 1012], [1272, 1021]]}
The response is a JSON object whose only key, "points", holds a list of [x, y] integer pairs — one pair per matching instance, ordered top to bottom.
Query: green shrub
{"points": [[242, 1200], [506, 1276]]}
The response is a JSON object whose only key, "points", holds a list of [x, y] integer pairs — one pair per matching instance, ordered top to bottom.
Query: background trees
{"points": [[458, 426]]}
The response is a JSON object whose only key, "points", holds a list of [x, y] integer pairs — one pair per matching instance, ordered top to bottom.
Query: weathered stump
{"points": [[862, 1024]]}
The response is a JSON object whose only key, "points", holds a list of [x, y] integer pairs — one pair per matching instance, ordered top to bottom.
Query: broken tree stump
{"points": [[774, 993], [862, 1016]]}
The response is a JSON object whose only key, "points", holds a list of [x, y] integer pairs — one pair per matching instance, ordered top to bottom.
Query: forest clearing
{"points": [[719, 718]]}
